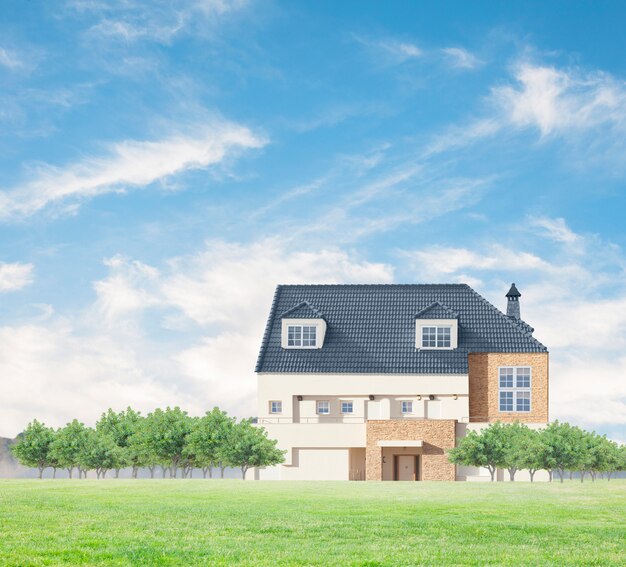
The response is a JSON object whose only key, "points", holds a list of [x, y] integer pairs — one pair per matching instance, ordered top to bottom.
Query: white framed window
{"points": [[303, 336], [437, 337], [514, 384], [276, 406], [347, 406], [407, 406], [323, 407]]}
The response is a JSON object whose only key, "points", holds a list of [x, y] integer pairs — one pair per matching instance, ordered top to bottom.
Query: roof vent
{"points": [[512, 306]]}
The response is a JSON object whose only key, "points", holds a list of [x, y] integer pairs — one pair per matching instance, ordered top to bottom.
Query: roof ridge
{"points": [[380, 285]]}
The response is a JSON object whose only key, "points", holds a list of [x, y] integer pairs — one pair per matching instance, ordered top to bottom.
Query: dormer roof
{"points": [[303, 310], [436, 310]]}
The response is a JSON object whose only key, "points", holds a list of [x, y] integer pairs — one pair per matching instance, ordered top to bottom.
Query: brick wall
{"points": [[483, 386], [437, 435]]}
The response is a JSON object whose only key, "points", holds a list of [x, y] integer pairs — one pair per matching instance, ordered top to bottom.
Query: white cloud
{"points": [[157, 20], [391, 50], [461, 58], [10, 59], [557, 101], [128, 164], [556, 229], [440, 263], [14, 276], [110, 355]]}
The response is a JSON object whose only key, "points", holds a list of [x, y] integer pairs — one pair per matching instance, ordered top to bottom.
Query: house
{"points": [[376, 382]]}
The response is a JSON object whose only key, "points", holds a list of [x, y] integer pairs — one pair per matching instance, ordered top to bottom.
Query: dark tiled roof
{"points": [[371, 329]]}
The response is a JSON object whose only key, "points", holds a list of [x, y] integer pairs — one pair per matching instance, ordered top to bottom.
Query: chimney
{"points": [[512, 306]]}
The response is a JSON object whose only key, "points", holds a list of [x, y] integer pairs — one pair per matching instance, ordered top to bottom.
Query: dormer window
{"points": [[302, 327], [436, 327], [436, 334], [303, 336], [436, 337]]}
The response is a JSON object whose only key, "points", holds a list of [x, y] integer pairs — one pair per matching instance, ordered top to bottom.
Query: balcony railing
{"points": [[315, 419], [341, 419]]}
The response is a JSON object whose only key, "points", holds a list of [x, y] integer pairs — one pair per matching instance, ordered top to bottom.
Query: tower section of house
{"points": [[377, 382]]}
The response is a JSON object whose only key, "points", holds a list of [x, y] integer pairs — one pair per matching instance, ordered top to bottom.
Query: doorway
{"points": [[405, 467]]}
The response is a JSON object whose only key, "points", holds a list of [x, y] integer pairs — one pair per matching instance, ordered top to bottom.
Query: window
{"points": [[302, 336], [436, 337], [514, 383], [276, 406], [407, 406], [323, 407], [347, 407]]}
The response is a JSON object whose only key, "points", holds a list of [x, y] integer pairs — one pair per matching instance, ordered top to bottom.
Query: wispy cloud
{"points": [[157, 20], [390, 50], [461, 58], [10, 59], [557, 101], [127, 164], [14, 276]]}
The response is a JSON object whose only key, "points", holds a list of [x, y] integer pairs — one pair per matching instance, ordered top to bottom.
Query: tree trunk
{"points": [[151, 469], [163, 469], [70, 470], [135, 471], [204, 471], [41, 472], [54, 472], [210, 472], [243, 472], [492, 472], [512, 472], [532, 472], [104, 473], [117, 473], [561, 473], [98, 474], [550, 475], [571, 475], [608, 475], [582, 476], [593, 476]]}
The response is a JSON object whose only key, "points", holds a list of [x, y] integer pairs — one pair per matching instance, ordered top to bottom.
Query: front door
{"points": [[406, 467]]}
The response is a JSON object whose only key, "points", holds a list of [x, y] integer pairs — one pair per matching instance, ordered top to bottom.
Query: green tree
{"points": [[121, 427], [164, 434], [517, 436], [207, 440], [68, 444], [33, 446], [249, 446], [564, 447], [485, 449], [140, 451], [101, 453], [532, 454], [602, 455]]}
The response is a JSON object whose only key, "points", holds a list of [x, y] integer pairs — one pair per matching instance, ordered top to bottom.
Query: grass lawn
{"points": [[196, 522]]}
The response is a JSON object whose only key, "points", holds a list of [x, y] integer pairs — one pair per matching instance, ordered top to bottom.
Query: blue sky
{"points": [[163, 165]]}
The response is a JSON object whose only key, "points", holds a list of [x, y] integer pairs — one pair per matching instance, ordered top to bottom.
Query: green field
{"points": [[196, 522]]}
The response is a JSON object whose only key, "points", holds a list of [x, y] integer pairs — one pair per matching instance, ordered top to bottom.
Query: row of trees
{"points": [[169, 439], [560, 448]]}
